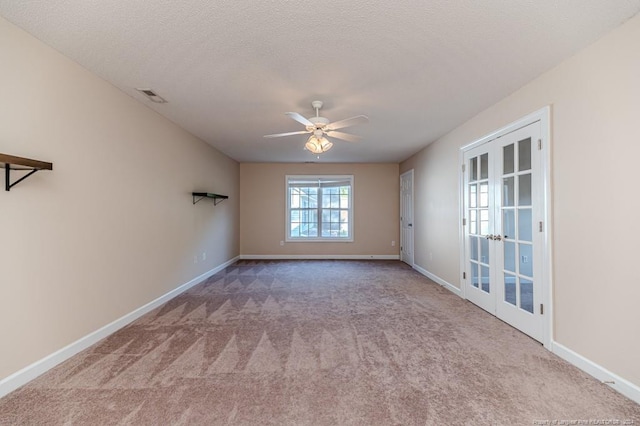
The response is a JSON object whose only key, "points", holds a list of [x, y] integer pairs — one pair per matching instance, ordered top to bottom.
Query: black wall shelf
{"points": [[10, 162], [197, 196]]}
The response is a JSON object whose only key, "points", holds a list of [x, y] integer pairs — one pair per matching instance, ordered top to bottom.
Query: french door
{"points": [[503, 228]]}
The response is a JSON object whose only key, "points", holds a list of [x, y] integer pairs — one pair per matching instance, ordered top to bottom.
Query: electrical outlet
{"points": [[281, 243], [393, 243], [204, 255]]}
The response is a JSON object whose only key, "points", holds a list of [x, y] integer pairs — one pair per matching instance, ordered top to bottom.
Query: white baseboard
{"points": [[320, 256], [433, 277], [30, 372], [616, 382]]}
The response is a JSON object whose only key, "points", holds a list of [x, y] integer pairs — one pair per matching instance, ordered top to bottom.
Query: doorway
{"points": [[406, 217], [505, 226]]}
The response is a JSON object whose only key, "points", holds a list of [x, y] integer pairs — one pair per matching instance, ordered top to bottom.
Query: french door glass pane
{"points": [[524, 154], [507, 159], [484, 166], [473, 169], [508, 190], [524, 190], [484, 195], [473, 196], [473, 221], [484, 221], [509, 223], [525, 225], [473, 246], [484, 250], [510, 256], [526, 259], [474, 274], [485, 278], [510, 289], [526, 294]]}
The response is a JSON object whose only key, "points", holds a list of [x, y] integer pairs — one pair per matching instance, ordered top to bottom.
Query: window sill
{"points": [[319, 240]]}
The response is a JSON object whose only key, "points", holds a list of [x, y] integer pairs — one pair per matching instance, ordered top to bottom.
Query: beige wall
{"points": [[595, 99], [262, 217], [112, 227]]}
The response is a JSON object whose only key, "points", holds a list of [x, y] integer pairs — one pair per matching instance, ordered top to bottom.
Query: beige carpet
{"points": [[315, 343]]}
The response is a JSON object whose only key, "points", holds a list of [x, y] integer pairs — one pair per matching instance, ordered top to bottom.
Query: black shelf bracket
{"points": [[19, 163], [217, 198]]}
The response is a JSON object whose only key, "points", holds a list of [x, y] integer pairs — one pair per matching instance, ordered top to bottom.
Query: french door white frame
{"points": [[543, 116]]}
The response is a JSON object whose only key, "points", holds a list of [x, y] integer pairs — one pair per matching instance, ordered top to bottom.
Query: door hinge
{"points": [[539, 144], [463, 168], [464, 221], [540, 226], [464, 275], [541, 309]]}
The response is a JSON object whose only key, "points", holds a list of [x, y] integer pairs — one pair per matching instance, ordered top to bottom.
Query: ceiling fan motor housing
{"points": [[318, 122]]}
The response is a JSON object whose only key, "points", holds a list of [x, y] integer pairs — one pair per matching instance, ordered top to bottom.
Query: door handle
{"points": [[411, 224], [489, 237], [497, 237]]}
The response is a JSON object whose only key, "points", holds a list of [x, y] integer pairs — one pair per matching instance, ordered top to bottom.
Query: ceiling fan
{"points": [[320, 127]]}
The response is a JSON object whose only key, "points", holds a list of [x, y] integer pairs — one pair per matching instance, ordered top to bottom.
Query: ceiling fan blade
{"points": [[299, 118], [358, 119], [278, 135], [344, 136]]}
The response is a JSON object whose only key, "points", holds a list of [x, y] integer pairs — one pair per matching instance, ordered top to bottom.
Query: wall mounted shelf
{"points": [[10, 162], [197, 196]]}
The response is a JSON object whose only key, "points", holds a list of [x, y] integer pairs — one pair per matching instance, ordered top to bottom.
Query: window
{"points": [[319, 208]]}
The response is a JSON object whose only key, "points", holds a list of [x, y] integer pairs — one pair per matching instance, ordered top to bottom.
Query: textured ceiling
{"points": [[231, 69]]}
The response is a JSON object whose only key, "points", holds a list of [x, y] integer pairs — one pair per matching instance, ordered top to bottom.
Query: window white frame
{"points": [[322, 182]]}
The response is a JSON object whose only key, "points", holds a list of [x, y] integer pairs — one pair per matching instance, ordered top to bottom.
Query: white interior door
{"points": [[503, 212], [406, 217]]}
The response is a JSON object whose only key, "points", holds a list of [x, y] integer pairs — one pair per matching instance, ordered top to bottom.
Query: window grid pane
{"points": [[319, 211]]}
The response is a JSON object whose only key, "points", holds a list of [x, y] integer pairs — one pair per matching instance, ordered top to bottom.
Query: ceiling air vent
{"points": [[152, 96]]}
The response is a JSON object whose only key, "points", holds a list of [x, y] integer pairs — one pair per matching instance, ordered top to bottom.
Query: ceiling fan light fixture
{"points": [[325, 144], [318, 146]]}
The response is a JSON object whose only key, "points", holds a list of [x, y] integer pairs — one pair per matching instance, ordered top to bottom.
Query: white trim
{"points": [[538, 115], [461, 218], [413, 219], [547, 249], [320, 256], [433, 277], [30, 372], [614, 381]]}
